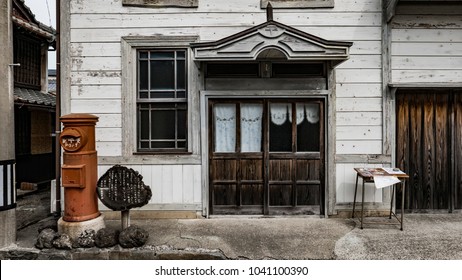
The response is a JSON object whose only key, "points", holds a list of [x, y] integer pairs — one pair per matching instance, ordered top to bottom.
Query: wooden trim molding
{"points": [[161, 3]]}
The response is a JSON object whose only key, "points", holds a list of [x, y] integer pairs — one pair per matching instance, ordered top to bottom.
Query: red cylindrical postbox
{"points": [[79, 169]]}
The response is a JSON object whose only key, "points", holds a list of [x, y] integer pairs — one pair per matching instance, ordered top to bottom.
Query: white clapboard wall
{"points": [[96, 28], [427, 44], [174, 187]]}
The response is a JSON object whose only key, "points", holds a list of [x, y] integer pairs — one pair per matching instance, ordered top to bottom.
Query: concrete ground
{"points": [[425, 237]]}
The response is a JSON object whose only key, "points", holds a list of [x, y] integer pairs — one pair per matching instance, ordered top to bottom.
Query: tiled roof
{"points": [[35, 97]]}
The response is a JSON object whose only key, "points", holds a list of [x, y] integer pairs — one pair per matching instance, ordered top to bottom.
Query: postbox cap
{"points": [[79, 118]]}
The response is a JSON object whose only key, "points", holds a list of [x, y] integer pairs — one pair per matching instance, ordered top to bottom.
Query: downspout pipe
{"points": [[58, 110]]}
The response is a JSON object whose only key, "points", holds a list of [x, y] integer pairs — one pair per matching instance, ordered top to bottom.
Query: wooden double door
{"points": [[429, 147], [266, 156]]}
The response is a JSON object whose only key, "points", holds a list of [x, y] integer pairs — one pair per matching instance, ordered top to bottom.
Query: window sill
{"points": [[155, 153]]}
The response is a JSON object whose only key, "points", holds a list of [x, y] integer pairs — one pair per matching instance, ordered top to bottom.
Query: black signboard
{"points": [[122, 188]]}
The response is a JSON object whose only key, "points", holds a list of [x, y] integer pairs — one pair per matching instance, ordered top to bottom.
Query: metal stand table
{"points": [[367, 175]]}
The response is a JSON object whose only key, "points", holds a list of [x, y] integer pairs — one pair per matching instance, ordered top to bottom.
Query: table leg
{"points": [[354, 198], [392, 198], [402, 203], [362, 206]]}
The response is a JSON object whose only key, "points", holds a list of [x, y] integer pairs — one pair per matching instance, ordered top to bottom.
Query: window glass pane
{"points": [[143, 54], [181, 54], [162, 55], [297, 69], [233, 70], [162, 74], [143, 75], [181, 75], [143, 94], [162, 94], [181, 94], [224, 116], [181, 123], [144, 124], [163, 124], [251, 127], [280, 127], [308, 127], [181, 144], [145, 145], [163, 145]]}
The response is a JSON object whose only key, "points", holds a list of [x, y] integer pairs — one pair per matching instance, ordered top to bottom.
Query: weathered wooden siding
{"points": [[96, 29], [427, 43]]}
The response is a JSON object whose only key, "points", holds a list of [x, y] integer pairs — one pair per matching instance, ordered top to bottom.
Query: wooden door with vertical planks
{"points": [[429, 148]]}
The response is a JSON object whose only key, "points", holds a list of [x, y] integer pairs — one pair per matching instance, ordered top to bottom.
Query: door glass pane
{"points": [[224, 117], [251, 127], [280, 127], [308, 128]]}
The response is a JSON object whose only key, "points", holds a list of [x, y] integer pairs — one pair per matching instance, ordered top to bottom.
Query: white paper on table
{"points": [[391, 171], [385, 181]]}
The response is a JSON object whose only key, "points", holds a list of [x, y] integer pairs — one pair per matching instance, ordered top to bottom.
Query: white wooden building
{"points": [[226, 107]]}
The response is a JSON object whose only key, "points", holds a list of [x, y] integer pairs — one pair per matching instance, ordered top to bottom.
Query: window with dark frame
{"points": [[27, 53], [162, 104]]}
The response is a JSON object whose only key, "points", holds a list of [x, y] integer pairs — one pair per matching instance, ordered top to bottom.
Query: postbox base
{"points": [[74, 229]]}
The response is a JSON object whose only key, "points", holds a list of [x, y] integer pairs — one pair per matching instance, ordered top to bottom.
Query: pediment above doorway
{"points": [[272, 40]]}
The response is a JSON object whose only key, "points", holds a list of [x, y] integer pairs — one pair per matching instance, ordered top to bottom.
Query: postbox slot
{"points": [[73, 176]]}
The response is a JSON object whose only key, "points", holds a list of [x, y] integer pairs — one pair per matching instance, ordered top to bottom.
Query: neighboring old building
{"points": [[227, 107], [34, 109]]}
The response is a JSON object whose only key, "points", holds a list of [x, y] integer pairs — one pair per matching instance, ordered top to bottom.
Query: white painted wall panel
{"points": [[114, 6], [225, 19], [215, 33], [426, 35], [366, 47], [427, 47], [102, 49], [363, 62], [96, 63], [427, 63], [358, 76], [427, 76], [96, 78], [359, 90], [96, 92], [355, 104], [91, 106], [359, 118], [109, 120], [353, 132], [108, 134], [355, 147], [106, 149], [346, 179], [177, 183], [156, 184], [167, 184], [186, 185]]}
